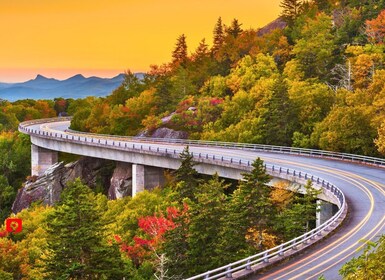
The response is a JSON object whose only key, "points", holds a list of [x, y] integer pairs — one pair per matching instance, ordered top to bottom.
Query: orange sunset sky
{"points": [[61, 38]]}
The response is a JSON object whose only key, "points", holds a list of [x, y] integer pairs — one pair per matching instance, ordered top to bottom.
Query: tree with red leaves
{"points": [[375, 29], [153, 229]]}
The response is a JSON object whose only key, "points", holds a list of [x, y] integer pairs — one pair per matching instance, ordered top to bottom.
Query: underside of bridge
{"points": [[42, 159], [145, 177]]}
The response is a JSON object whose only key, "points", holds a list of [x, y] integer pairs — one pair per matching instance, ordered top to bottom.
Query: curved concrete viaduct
{"points": [[361, 184]]}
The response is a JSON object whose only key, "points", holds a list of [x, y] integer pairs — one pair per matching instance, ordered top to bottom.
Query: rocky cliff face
{"points": [[165, 132], [93, 172], [121, 181]]}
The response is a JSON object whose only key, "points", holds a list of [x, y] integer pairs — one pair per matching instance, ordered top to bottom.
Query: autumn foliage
{"points": [[375, 29], [153, 229]]}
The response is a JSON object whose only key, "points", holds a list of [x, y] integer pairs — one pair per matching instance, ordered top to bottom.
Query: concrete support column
{"points": [[41, 159], [146, 177], [154, 177], [137, 178], [325, 213]]}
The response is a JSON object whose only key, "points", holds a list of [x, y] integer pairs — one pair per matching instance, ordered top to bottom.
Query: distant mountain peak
{"points": [[79, 76], [40, 77], [76, 77], [47, 88]]}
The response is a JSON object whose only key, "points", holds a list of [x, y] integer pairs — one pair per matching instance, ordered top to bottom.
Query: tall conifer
{"points": [[290, 10], [235, 28], [218, 36], [179, 55], [186, 176], [249, 209], [77, 247]]}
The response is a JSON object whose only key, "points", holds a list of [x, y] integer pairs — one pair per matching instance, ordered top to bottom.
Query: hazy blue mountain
{"points": [[40, 82], [48, 88]]}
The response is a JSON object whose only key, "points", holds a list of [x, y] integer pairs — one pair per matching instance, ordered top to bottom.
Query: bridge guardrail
{"points": [[245, 146], [244, 265]]}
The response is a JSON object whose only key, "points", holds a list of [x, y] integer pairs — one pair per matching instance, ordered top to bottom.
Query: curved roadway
{"points": [[362, 185]]}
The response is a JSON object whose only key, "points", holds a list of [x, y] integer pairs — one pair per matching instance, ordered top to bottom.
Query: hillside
{"points": [[312, 79], [315, 81]]}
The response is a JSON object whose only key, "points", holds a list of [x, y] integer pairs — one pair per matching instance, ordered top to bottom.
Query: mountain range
{"points": [[48, 88]]}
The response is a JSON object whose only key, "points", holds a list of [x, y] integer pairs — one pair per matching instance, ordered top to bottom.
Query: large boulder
{"points": [[165, 132], [121, 181], [48, 187], [45, 188]]}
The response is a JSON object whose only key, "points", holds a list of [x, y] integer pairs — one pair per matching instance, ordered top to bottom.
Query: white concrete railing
{"points": [[245, 146], [244, 265]]}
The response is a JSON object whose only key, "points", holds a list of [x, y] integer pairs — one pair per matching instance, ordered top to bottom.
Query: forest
{"points": [[319, 82]]}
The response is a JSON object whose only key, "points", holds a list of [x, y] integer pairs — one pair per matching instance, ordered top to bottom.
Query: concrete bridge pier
{"points": [[42, 159], [146, 177], [327, 210]]}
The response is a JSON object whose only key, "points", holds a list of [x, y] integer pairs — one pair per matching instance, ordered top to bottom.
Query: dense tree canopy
{"points": [[319, 83], [280, 87], [77, 248]]}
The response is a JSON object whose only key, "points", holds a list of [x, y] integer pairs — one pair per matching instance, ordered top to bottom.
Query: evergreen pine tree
{"points": [[291, 9], [235, 28], [218, 36], [202, 51], [179, 55], [279, 118], [186, 176], [310, 207], [249, 209], [300, 215], [205, 223], [77, 247]]}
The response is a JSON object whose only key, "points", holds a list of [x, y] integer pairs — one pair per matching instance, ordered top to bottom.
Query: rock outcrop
{"points": [[165, 132], [121, 181], [48, 187]]}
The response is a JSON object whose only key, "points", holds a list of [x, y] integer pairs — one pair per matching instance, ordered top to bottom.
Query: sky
{"points": [[61, 38]]}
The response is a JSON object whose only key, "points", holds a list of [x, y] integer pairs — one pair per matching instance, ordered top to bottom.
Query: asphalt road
{"points": [[362, 185]]}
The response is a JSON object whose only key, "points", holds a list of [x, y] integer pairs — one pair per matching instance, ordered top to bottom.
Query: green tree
{"points": [[323, 5], [291, 9], [234, 29], [218, 36], [315, 50], [179, 55], [182, 85], [131, 86], [163, 86], [311, 102], [127, 119], [278, 119], [346, 129], [186, 176], [7, 195], [310, 207], [250, 209], [300, 215], [205, 223], [76, 245], [369, 265]]}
